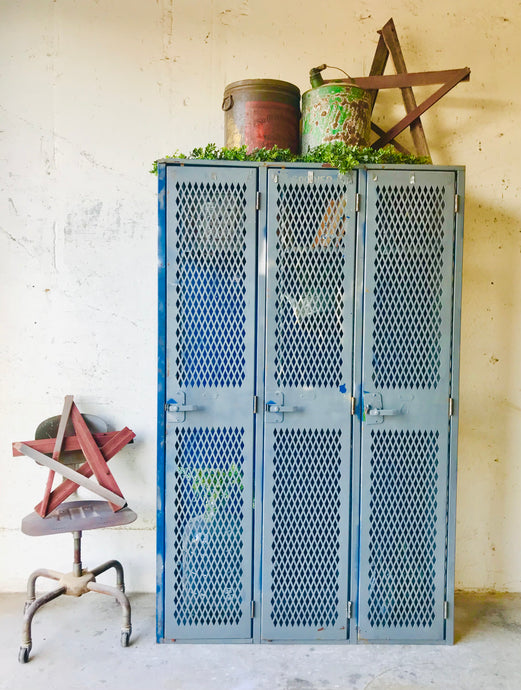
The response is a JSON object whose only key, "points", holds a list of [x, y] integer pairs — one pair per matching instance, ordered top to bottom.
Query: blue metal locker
{"points": [[210, 352], [308, 378], [406, 381], [308, 402]]}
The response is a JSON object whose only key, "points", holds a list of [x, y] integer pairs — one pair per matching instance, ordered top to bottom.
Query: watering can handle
{"points": [[316, 78]]}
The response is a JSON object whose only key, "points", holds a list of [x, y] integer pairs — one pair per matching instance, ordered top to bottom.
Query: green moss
{"points": [[336, 154]]}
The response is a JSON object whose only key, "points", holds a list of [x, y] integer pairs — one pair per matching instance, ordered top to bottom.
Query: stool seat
{"points": [[76, 516]]}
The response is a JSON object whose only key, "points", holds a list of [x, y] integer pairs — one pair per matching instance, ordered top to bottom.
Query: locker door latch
{"points": [[177, 408], [276, 408], [374, 411]]}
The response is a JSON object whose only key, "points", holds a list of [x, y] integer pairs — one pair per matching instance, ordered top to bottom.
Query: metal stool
{"points": [[75, 517]]}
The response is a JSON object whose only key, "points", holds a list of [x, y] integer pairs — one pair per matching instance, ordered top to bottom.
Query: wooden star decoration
{"points": [[389, 45], [97, 449]]}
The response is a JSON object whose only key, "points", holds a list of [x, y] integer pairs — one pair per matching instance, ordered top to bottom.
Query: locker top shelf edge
{"points": [[316, 166]]}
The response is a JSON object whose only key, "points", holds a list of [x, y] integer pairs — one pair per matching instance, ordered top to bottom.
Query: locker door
{"points": [[211, 283], [309, 315], [406, 377]]}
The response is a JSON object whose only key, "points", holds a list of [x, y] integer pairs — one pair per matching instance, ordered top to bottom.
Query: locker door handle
{"points": [[175, 407], [274, 407], [178, 408], [277, 409], [374, 411], [383, 413]]}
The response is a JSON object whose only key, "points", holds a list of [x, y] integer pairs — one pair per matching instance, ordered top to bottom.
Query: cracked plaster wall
{"points": [[92, 91]]}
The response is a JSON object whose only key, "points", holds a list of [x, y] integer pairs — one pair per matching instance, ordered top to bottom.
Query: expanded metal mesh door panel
{"points": [[310, 269], [211, 282], [211, 285], [408, 286], [309, 316], [406, 382], [405, 484], [208, 540], [305, 590]]}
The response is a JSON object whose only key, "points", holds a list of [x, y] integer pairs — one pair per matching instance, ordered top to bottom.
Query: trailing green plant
{"points": [[336, 154], [215, 484]]}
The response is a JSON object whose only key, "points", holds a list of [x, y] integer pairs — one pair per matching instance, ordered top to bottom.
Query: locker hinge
{"points": [[258, 201], [358, 201], [456, 203], [255, 404], [353, 406], [451, 407], [252, 609], [349, 609], [445, 610]]}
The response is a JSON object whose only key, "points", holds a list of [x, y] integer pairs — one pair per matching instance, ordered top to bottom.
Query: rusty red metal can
{"points": [[261, 113]]}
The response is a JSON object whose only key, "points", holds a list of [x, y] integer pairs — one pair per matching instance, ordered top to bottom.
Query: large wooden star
{"points": [[388, 44], [97, 449]]}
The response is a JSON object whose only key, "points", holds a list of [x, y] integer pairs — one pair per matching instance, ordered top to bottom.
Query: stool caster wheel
{"points": [[125, 637], [23, 654]]}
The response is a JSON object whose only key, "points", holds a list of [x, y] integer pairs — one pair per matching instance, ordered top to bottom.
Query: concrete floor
{"points": [[76, 647]]}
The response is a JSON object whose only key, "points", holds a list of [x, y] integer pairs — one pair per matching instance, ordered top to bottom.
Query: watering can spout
{"points": [[315, 77]]}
